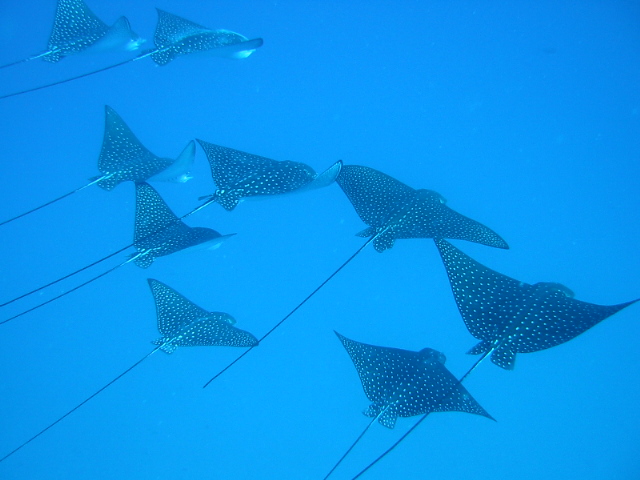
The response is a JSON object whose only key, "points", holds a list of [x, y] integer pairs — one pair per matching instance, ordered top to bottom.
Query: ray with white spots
{"points": [[76, 29], [174, 36], [124, 158], [239, 175], [394, 210], [158, 232], [509, 316], [181, 323], [184, 324], [404, 383]]}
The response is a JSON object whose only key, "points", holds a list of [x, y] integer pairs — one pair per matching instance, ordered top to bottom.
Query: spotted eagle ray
{"points": [[77, 29], [176, 36], [124, 158], [239, 175], [393, 211], [158, 232], [509, 316], [181, 323], [404, 383]]}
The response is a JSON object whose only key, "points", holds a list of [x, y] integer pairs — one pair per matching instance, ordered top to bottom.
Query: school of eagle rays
{"points": [[507, 316]]}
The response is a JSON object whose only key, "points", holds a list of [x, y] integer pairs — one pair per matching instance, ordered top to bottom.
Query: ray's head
{"points": [[553, 288], [430, 356]]}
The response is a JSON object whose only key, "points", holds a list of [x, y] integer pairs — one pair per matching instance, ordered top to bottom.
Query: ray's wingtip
{"points": [[203, 143], [499, 242], [631, 302]]}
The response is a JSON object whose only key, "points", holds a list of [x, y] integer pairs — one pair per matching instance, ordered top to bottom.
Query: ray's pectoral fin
{"points": [[118, 36], [240, 50], [180, 170], [325, 178], [456, 225]]}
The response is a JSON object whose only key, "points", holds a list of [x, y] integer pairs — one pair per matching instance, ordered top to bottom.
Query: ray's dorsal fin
{"points": [[384, 203], [496, 309], [181, 323]]}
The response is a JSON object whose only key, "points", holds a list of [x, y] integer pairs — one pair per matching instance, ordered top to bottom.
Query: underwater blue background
{"points": [[525, 116]]}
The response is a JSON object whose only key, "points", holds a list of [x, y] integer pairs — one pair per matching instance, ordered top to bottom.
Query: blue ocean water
{"points": [[524, 116]]}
